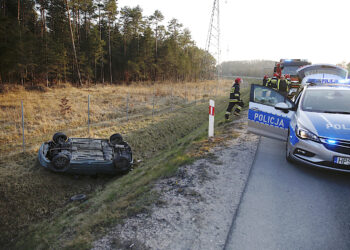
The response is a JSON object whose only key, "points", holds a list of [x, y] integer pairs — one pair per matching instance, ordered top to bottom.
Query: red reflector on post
{"points": [[211, 110]]}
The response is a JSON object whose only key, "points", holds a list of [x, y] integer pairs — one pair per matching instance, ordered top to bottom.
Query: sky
{"points": [[317, 30]]}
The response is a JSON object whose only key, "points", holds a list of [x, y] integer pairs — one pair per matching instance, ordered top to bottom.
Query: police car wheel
{"points": [[288, 157]]}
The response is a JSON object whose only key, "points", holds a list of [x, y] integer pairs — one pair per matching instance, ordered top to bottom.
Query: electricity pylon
{"points": [[212, 45]]}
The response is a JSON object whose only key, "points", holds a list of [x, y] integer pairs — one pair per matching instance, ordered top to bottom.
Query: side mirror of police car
{"points": [[283, 107]]}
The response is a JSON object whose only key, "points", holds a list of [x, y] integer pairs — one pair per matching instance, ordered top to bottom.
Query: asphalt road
{"points": [[288, 206]]}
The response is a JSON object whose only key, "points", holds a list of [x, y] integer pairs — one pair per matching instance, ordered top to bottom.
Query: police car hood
{"points": [[336, 126]]}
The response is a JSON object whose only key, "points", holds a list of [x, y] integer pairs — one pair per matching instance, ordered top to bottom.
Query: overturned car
{"points": [[86, 156]]}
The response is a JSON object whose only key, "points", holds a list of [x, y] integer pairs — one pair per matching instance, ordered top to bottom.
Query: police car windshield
{"points": [[327, 100]]}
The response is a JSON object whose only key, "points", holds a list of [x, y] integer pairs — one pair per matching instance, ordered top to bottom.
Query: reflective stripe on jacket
{"points": [[272, 83]]}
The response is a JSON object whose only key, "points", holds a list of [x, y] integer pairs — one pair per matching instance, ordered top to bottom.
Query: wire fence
{"points": [[27, 120]]}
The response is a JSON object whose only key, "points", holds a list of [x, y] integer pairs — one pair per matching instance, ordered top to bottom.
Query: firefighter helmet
{"points": [[238, 80]]}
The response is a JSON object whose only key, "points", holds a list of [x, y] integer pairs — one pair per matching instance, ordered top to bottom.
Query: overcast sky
{"points": [[318, 30]]}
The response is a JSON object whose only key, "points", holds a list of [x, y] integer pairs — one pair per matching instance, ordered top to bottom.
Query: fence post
{"points": [[195, 96], [171, 98], [153, 105], [127, 107], [89, 116], [23, 127]]}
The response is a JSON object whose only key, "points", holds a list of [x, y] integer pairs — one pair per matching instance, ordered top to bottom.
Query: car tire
{"points": [[59, 138], [116, 139], [288, 157], [60, 162], [122, 164], [78, 197]]}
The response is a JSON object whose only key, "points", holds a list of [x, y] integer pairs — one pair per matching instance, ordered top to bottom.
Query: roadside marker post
{"points": [[211, 118]]}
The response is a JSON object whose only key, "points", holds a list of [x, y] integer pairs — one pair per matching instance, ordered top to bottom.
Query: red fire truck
{"points": [[289, 67]]}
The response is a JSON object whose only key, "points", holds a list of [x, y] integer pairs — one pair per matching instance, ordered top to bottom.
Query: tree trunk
{"points": [[18, 10], [42, 22], [99, 24], [78, 27], [73, 44], [110, 54], [95, 61]]}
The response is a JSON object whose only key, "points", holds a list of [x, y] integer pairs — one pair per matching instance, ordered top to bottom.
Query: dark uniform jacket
{"points": [[265, 80], [282, 86], [235, 95]]}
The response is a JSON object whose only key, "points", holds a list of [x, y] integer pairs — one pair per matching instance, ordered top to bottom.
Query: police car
{"points": [[315, 125]]}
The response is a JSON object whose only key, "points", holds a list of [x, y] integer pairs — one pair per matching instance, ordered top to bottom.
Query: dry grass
{"points": [[44, 111], [162, 147], [29, 194]]}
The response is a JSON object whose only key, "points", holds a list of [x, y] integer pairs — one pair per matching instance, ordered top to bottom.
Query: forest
{"points": [[87, 41]]}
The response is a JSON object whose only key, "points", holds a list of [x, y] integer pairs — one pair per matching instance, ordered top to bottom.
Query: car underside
{"points": [[86, 155]]}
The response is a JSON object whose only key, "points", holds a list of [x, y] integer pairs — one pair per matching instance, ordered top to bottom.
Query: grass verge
{"points": [[162, 145]]}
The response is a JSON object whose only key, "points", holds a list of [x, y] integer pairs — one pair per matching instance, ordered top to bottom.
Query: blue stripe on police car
{"points": [[268, 119]]}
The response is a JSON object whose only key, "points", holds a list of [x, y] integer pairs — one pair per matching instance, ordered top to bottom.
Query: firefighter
{"points": [[279, 68], [265, 80], [289, 82], [265, 83], [272, 83], [282, 86], [235, 99]]}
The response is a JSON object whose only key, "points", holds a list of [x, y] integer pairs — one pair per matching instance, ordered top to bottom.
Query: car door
{"points": [[263, 117]]}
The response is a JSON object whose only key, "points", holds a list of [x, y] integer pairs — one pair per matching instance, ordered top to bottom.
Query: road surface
{"points": [[286, 206]]}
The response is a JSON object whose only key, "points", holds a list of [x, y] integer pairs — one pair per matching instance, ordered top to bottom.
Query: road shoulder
{"points": [[197, 205]]}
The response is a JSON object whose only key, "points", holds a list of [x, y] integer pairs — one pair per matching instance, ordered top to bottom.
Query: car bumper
{"points": [[317, 155], [42, 159]]}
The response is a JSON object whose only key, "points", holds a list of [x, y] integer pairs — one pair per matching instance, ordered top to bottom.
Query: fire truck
{"points": [[290, 67]]}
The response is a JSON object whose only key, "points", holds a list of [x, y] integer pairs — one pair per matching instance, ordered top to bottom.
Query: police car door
{"points": [[263, 117]]}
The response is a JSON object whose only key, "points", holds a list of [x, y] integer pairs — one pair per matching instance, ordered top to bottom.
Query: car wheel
{"points": [[59, 138], [116, 139], [288, 157], [60, 162], [122, 164], [78, 197]]}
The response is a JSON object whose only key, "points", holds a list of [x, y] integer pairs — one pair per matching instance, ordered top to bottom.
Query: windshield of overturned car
{"points": [[327, 100]]}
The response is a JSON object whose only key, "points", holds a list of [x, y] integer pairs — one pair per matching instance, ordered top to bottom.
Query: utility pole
{"points": [[212, 45]]}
